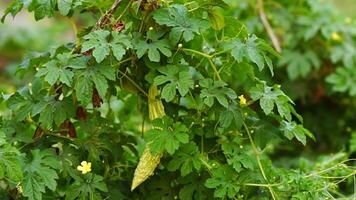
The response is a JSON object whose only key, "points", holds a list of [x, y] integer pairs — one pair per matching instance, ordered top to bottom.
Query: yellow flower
{"points": [[335, 36], [243, 100], [84, 167], [19, 188]]}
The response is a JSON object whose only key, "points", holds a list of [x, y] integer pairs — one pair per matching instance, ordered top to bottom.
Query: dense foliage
{"points": [[184, 100]]}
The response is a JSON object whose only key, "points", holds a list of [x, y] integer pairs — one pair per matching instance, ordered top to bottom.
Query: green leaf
{"points": [[64, 6], [14, 8], [42, 8], [216, 18], [183, 25], [97, 40], [120, 44], [153, 47], [238, 49], [252, 49], [101, 52], [253, 52], [345, 53], [299, 64], [61, 69], [52, 73], [96, 75], [176, 77], [343, 80], [100, 84], [84, 88], [216, 90], [169, 92], [270, 96], [26, 104], [232, 115], [46, 117], [292, 129], [166, 136], [353, 142], [237, 155], [186, 158], [10, 167], [40, 174], [48, 176], [224, 181], [33, 187], [89, 187], [193, 188]]}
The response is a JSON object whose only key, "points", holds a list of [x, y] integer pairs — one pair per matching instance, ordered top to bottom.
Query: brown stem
{"points": [[105, 18], [268, 27]]}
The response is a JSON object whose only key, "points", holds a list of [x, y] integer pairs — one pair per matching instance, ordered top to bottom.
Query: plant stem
{"points": [[124, 11], [106, 17], [268, 27], [197, 52], [209, 57], [123, 61], [214, 68], [134, 83], [257, 154], [208, 167], [328, 169], [261, 185]]}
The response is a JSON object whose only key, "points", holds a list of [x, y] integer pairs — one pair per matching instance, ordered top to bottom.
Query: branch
{"points": [[105, 18], [268, 27]]}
